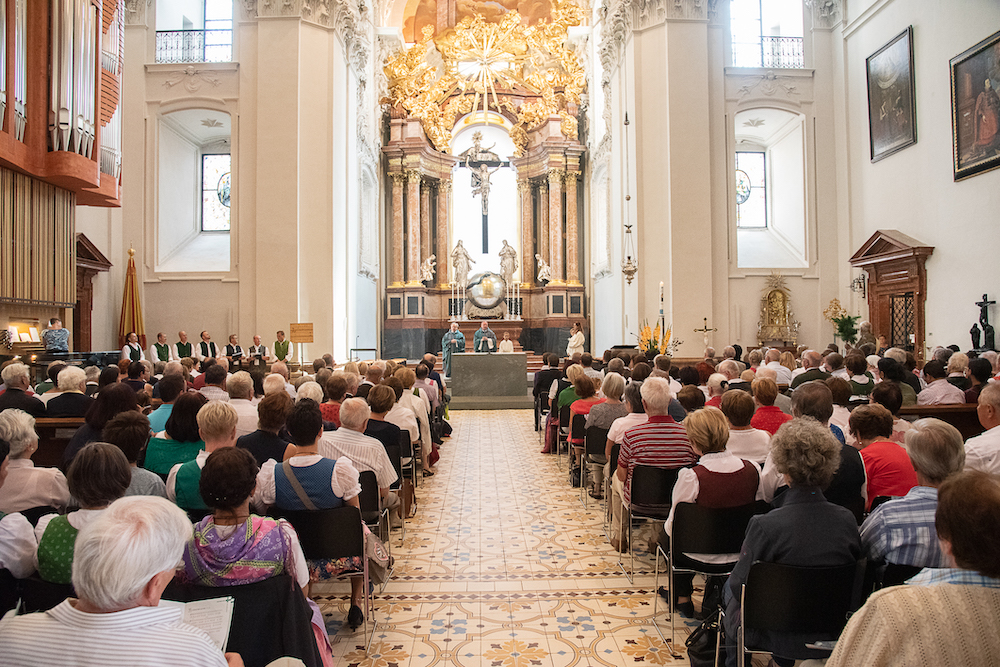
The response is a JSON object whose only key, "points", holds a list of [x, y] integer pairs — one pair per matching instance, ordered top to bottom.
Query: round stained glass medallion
{"points": [[742, 186], [224, 187]]}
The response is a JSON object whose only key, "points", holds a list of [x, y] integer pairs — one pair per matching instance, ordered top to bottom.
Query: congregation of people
{"points": [[813, 440], [184, 454]]}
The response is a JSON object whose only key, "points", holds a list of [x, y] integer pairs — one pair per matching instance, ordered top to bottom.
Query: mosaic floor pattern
{"points": [[502, 565]]}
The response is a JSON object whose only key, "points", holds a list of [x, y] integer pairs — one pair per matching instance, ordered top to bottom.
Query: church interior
{"points": [[370, 174]]}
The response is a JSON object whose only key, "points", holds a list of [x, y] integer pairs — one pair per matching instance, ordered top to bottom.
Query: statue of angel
{"points": [[427, 269], [544, 270]]}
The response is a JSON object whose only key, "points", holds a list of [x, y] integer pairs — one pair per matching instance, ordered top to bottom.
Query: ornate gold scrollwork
{"points": [[467, 67]]}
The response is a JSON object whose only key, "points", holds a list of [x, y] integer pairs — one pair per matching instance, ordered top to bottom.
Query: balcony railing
{"points": [[194, 46], [781, 52]]}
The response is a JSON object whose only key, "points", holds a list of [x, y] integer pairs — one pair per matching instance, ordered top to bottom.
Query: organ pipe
{"points": [[72, 100]]}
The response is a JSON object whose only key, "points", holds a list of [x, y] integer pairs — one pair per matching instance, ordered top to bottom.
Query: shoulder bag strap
{"points": [[299, 491]]}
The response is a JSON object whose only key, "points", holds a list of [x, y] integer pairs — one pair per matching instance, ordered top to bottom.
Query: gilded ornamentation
{"points": [[528, 74], [777, 322]]}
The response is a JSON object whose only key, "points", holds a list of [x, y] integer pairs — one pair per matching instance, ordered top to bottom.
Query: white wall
{"points": [[170, 14], [914, 190], [178, 192]]}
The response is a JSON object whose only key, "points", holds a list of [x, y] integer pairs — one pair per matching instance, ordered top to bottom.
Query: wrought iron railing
{"points": [[194, 46], [781, 52]]}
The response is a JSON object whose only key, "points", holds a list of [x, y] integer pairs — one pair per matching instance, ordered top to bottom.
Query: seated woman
{"points": [[892, 372], [860, 379], [716, 386], [336, 391], [561, 393], [889, 396], [381, 398], [588, 398], [111, 401], [602, 416], [768, 417], [129, 432], [179, 441], [745, 441], [887, 467], [98, 476], [720, 480], [319, 483], [27, 486], [805, 530], [17, 541], [232, 547], [920, 623]]}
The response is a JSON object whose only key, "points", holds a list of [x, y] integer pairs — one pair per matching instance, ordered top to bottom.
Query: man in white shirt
{"points": [[183, 348], [206, 348], [132, 349], [160, 351], [257, 355], [281, 368], [784, 375], [215, 384], [240, 389], [939, 391], [983, 451], [365, 452], [116, 618]]}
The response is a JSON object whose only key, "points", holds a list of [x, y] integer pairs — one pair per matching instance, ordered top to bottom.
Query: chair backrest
{"points": [[564, 413], [578, 427], [596, 440], [405, 445], [395, 455], [613, 460], [652, 490], [369, 496], [879, 500], [33, 514], [707, 530], [333, 533], [896, 575], [10, 591], [40, 595], [792, 599], [271, 618]]}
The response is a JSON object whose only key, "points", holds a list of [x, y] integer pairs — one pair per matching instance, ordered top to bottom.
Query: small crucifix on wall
{"points": [[705, 330]]}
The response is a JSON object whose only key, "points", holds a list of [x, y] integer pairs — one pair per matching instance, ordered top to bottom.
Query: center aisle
{"points": [[502, 565]]}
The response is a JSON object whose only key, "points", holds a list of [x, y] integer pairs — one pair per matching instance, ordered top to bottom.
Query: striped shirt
{"points": [[660, 442], [365, 453], [902, 531], [953, 575], [146, 636]]}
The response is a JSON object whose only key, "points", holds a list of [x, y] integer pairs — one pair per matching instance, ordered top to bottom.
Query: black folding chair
{"points": [[577, 431], [563, 437], [595, 440], [395, 455], [612, 471], [650, 492], [371, 513], [702, 530], [331, 534], [10, 591], [40, 595], [809, 601], [271, 618]]}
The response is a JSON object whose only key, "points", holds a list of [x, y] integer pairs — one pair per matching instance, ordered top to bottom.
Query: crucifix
{"points": [[479, 161], [984, 319], [705, 330]]}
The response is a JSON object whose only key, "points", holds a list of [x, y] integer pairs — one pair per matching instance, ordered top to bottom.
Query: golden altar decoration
{"points": [[525, 73], [777, 323]]}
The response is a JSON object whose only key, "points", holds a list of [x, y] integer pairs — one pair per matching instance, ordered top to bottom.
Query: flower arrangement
{"points": [[843, 322], [652, 342]]}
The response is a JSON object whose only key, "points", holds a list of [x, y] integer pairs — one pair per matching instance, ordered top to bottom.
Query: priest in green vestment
{"points": [[484, 340], [453, 341]]}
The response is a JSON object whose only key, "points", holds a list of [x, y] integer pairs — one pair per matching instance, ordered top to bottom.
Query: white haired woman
{"points": [[28, 486]]}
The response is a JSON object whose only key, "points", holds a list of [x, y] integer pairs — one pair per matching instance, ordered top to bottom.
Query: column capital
{"points": [[413, 175], [556, 175], [398, 177], [445, 185], [523, 185], [425, 186]]}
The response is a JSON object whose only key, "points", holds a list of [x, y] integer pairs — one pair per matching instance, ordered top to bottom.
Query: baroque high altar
{"points": [[528, 80]]}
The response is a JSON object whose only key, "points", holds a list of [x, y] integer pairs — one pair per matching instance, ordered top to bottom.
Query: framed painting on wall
{"points": [[892, 108], [975, 108]]}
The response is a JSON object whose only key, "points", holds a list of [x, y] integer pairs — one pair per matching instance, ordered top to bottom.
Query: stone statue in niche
{"points": [[462, 261], [508, 262], [427, 269], [544, 270]]}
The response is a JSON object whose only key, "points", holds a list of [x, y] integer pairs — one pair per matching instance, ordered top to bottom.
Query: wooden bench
{"points": [[962, 416], [54, 433]]}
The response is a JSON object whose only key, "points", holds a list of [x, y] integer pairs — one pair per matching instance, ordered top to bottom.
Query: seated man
{"points": [[811, 369], [15, 379], [214, 388], [939, 391], [72, 400], [660, 442], [983, 451], [365, 452], [902, 531], [123, 560], [919, 624]]}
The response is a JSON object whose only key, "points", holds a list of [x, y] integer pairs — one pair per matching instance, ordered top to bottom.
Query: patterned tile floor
{"points": [[503, 566]]}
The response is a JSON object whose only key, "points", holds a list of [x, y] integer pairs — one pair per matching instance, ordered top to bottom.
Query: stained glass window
{"points": [[215, 189], [751, 190]]}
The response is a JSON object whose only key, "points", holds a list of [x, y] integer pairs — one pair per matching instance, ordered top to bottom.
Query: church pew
{"points": [[962, 416], [54, 433]]}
